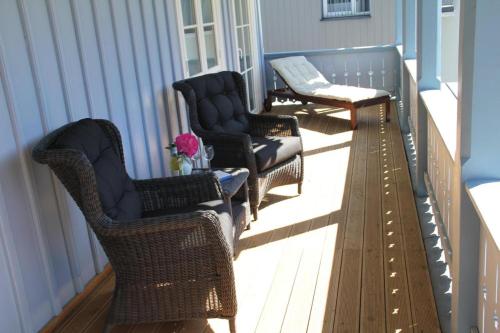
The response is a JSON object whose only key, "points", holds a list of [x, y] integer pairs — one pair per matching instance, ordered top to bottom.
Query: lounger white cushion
{"points": [[303, 78]]}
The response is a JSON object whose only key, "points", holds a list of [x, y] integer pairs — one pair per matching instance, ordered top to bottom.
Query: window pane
{"points": [[237, 6], [339, 6], [362, 6], [206, 10], [244, 11], [188, 15], [211, 46], [241, 50], [192, 51], [247, 51], [251, 92]]}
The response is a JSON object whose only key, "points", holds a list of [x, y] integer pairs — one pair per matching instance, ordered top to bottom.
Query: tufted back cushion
{"points": [[218, 103], [119, 198]]}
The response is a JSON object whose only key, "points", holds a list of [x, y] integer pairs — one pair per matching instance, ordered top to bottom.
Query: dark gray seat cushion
{"points": [[219, 106], [272, 150], [118, 195], [219, 206]]}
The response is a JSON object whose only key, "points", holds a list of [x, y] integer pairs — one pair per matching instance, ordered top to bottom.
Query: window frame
{"points": [[326, 15], [202, 49], [254, 66]]}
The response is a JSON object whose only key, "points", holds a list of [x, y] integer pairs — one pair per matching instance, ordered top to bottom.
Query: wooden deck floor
{"points": [[345, 256]]}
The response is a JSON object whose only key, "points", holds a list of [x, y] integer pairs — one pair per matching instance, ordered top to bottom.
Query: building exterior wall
{"points": [[297, 25], [61, 61]]}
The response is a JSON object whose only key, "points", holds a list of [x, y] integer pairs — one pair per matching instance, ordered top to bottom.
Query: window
{"points": [[448, 6], [345, 8], [200, 39]]}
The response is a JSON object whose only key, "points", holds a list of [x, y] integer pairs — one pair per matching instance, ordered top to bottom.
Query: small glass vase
{"points": [[185, 166]]}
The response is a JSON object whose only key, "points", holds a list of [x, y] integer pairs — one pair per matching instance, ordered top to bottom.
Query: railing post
{"points": [[409, 17], [399, 21], [407, 33], [428, 44], [428, 56]]}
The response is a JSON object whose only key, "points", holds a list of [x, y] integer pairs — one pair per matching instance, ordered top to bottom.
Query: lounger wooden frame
{"points": [[288, 93]]}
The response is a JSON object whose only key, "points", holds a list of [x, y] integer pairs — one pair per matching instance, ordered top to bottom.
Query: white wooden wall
{"points": [[296, 25], [60, 61]]}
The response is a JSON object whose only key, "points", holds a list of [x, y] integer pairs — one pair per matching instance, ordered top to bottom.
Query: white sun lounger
{"points": [[306, 84]]}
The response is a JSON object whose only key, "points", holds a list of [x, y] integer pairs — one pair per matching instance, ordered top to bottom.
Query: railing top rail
{"points": [[484, 194]]}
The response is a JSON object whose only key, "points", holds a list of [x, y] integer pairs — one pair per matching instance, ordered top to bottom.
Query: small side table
{"points": [[235, 191], [236, 195]]}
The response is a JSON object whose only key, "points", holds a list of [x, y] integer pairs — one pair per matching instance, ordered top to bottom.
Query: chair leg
{"points": [[268, 103], [387, 110], [299, 188], [255, 211], [232, 325]]}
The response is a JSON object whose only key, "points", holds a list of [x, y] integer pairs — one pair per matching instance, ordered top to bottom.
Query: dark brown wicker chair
{"points": [[269, 146], [172, 262]]}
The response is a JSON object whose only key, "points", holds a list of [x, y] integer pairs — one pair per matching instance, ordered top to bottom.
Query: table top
{"points": [[231, 186]]}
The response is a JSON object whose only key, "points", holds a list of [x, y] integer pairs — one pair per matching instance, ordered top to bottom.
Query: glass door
{"points": [[245, 47]]}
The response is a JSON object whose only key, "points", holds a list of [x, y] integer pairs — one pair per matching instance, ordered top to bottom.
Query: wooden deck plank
{"points": [[338, 218], [321, 261], [255, 283], [373, 296], [277, 300], [300, 303], [398, 307], [90, 308], [424, 310], [347, 314], [300, 316]]}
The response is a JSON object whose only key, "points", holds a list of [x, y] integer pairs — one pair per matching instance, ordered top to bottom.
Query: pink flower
{"points": [[187, 144]]}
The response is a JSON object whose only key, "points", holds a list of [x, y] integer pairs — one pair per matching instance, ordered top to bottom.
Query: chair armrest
{"points": [[273, 125], [232, 150], [178, 192], [171, 249]]}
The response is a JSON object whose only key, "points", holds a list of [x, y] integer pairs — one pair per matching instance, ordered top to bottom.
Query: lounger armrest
{"points": [[273, 125]]}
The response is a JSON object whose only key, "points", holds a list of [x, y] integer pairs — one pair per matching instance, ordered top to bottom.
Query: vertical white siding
{"points": [[297, 25], [60, 61]]}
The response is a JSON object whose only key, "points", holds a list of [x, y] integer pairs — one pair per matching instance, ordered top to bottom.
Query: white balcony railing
{"points": [[440, 167], [483, 196], [488, 308]]}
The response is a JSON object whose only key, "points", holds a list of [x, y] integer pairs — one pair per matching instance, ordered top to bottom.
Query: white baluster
{"points": [[383, 72], [358, 73], [346, 74], [370, 74], [334, 77], [275, 80], [394, 81]]}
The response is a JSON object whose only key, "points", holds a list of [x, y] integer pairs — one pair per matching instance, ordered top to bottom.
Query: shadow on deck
{"points": [[345, 256]]}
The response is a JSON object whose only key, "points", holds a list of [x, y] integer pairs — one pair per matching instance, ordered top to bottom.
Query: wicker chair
{"points": [[269, 146], [173, 259]]}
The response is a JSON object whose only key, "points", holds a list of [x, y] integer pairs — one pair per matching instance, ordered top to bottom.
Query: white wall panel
{"points": [[296, 25], [60, 61]]}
